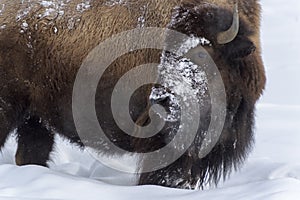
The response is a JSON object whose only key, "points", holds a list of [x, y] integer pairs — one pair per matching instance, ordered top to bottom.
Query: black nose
{"points": [[159, 95]]}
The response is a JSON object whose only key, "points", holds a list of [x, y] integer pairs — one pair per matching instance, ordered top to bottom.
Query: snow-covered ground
{"points": [[271, 172]]}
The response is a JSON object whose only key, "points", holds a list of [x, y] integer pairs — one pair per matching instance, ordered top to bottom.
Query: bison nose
{"points": [[159, 95], [162, 100], [169, 107]]}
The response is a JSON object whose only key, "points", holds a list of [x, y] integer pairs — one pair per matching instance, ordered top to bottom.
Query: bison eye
{"points": [[209, 15], [197, 55], [202, 55]]}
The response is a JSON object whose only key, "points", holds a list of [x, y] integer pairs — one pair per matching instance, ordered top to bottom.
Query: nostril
{"points": [[162, 99]]}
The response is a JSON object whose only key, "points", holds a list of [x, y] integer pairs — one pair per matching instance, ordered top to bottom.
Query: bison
{"points": [[43, 44]]}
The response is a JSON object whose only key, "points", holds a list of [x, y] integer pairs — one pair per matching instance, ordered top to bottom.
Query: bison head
{"points": [[230, 40]]}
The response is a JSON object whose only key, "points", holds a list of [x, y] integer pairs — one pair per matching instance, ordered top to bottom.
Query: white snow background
{"points": [[272, 171]]}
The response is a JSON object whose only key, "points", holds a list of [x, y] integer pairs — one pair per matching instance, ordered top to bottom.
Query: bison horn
{"points": [[229, 35]]}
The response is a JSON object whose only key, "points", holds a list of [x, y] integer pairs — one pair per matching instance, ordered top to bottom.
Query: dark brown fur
{"points": [[36, 82]]}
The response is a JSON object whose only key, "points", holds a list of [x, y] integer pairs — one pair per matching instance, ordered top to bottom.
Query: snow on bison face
{"points": [[43, 47], [236, 53]]}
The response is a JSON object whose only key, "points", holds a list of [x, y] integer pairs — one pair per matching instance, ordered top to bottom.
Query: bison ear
{"points": [[239, 48]]}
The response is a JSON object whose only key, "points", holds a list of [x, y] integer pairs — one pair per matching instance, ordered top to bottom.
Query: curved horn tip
{"points": [[229, 35]]}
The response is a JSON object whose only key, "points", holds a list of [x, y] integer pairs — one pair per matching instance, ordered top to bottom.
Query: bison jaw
{"points": [[229, 35]]}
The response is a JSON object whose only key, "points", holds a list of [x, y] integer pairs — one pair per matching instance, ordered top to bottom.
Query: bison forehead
{"points": [[205, 20]]}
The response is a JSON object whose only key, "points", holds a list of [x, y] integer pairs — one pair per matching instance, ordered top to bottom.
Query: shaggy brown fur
{"points": [[40, 56]]}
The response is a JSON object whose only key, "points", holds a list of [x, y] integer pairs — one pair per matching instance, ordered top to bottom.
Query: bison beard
{"points": [[40, 57]]}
